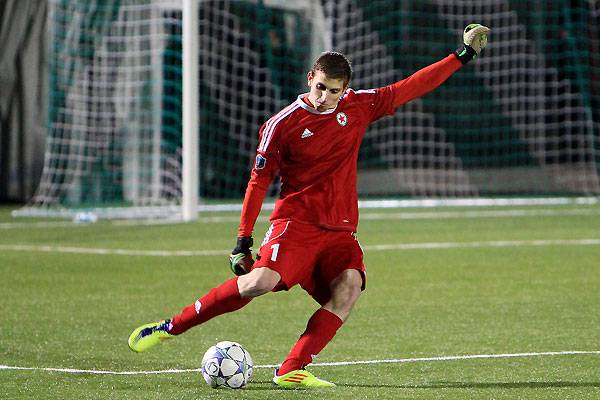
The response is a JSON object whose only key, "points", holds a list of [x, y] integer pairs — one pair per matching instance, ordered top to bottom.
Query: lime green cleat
{"points": [[149, 335], [300, 378]]}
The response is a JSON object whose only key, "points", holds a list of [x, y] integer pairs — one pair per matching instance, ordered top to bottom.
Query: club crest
{"points": [[341, 118]]}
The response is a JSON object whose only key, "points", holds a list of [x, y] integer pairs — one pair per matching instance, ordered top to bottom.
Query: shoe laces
{"points": [[165, 326]]}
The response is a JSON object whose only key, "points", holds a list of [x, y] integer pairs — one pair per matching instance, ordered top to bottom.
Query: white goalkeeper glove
{"points": [[474, 40]]}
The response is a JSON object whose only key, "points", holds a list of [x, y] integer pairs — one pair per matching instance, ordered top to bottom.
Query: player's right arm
{"points": [[266, 166]]}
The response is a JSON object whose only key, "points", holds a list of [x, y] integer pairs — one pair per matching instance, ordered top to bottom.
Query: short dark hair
{"points": [[334, 65]]}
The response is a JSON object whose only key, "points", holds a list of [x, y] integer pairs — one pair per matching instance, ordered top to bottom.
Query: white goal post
{"points": [[189, 203]]}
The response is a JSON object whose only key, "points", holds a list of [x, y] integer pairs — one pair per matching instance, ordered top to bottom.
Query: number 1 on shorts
{"points": [[275, 251]]}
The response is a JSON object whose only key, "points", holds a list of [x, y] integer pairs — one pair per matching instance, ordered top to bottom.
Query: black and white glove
{"points": [[474, 40], [240, 259]]}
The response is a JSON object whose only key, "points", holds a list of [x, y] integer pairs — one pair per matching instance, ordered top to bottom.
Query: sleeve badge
{"points": [[260, 162]]}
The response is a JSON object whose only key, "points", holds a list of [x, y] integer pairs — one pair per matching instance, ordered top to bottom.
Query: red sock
{"points": [[217, 301], [321, 328]]}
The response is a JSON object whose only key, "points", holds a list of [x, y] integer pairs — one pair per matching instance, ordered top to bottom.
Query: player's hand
{"points": [[475, 36], [474, 40], [240, 259]]}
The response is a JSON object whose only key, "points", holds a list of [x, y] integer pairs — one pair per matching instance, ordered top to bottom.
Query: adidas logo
{"points": [[306, 134], [296, 378]]}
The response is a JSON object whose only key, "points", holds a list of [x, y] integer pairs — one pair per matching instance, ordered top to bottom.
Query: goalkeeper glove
{"points": [[474, 39], [240, 259]]}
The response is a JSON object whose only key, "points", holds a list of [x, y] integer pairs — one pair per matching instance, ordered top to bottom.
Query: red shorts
{"points": [[309, 256]]}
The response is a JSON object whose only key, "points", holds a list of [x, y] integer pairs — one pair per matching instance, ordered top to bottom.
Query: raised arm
{"points": [[427, 79]]}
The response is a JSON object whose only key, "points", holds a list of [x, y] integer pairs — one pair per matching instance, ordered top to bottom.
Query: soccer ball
{"points": [[227, 364]]}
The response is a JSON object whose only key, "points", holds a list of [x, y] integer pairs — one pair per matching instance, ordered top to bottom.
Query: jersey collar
{"points": [[310, 109]]}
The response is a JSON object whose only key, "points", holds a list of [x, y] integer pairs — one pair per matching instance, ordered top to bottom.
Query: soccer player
{"points": [[313, 146]]}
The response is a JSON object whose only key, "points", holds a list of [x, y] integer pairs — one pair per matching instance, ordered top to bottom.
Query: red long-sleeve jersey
{"points": [[315, 153]]}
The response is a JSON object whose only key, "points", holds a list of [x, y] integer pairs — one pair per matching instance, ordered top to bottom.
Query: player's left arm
{"points": [[432, 76], [266, 166], [240, 259]]}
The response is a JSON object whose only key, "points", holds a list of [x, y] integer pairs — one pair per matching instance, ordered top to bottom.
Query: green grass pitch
{"points": [[441, 283]]}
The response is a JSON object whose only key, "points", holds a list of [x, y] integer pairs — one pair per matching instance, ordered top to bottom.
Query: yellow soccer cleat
{"points": [[149, 335], [300, 378]]}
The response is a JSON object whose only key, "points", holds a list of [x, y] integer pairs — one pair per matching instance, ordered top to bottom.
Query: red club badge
{"points": [[341, 118]]}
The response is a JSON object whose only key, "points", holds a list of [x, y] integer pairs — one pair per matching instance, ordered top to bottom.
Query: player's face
{"points": [[324, 92]]}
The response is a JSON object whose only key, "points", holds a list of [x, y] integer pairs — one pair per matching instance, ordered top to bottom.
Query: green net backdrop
{"points": [[522, 120]]}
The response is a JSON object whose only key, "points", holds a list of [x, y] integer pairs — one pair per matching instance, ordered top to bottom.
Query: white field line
{"points": [[174, 211], [479, 214], [365, 216], [30, 225], [496, 243], [377, 247], [118, 252], [329, 364]]}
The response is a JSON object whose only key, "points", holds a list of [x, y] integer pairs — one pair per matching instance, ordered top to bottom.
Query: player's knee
{"points": [[258, 282]]}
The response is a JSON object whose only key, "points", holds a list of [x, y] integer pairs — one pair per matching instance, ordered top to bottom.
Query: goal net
{"points": [[522, 120], [114, 133], [114, 141]]}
